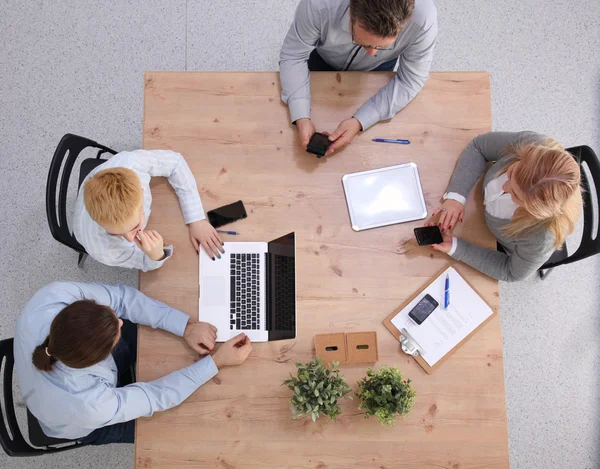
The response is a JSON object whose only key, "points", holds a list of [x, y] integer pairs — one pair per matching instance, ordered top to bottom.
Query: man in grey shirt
{"points": [[363, 35]]}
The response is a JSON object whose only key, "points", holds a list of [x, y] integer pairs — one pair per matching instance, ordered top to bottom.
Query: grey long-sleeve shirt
{"points": [[325, 25], [524, 254]]}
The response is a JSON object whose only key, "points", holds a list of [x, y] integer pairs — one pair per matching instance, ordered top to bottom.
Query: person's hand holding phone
{"points": [[306, 129], [344, 134], [451, 212], [203, 234], [151, 243], [445, 246], [233, 352]]}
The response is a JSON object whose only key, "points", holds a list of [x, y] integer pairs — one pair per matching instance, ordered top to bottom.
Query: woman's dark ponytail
{"points": [[81, 335], [42, 358]]}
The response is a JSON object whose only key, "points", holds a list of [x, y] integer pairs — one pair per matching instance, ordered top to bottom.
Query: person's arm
{"points": [[300, 41], [413, 71], [482, 150], [173, 166], [118, 252], [526, 259], [129, 303], [115, 405]]}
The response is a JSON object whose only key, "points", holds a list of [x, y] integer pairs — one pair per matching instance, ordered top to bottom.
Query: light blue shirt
{"points": [[116, 250], [71, 403]]}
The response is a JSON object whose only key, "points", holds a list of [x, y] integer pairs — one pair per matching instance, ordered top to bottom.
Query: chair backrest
{"points": [[67, 151], [590, 241], [11, 438]]}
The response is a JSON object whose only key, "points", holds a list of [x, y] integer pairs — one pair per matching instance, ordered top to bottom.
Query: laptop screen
{"points": [[281, 281]]}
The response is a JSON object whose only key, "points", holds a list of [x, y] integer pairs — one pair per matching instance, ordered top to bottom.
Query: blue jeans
{"points": [[317, 64], [124, 355]]}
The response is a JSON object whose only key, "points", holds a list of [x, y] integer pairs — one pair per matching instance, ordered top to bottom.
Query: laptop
{"points": [[251, 289]]}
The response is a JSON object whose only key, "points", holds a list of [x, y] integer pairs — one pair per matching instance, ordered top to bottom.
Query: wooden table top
{"points": [[235, 134]]}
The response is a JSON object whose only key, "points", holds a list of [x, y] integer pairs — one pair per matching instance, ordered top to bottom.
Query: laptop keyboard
{"points": [[245, 292], [285, 298]]}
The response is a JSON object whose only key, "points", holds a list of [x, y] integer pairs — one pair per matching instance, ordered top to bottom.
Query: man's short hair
{"points": [[384, 18], [113, 196]]}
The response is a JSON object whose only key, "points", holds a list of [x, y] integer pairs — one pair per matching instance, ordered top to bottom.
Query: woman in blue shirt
{"points": [[68, 356]]}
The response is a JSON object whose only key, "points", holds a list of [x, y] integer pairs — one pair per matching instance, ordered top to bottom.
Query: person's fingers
{"points": [[326, 133], [337, 133], [338, 144], [433, 216], [453, 220], [442, 222], [218, 236], [151, 237], [144, 240], [138, 242], [217, 242], [195, 244], [214, 247], [207, 250], [237, 339], [209, 343]]}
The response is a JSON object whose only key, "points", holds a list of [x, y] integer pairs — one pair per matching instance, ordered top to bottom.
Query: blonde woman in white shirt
{"points": [[532, 198], [112, 210]]}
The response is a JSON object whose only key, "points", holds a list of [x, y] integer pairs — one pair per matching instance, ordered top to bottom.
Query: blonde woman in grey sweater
{"points": [[532, 198]]}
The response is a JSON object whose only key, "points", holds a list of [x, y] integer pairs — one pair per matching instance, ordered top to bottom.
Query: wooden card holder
{"points": [[351, 347]]}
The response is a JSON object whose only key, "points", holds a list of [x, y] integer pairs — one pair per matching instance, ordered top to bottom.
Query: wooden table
{"points": [[235, 134]]}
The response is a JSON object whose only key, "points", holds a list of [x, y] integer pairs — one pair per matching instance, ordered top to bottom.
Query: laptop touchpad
{"points": [[214, 291]]}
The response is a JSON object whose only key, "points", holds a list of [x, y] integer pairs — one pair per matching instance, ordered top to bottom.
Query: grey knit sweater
{"points": [[524, 255]]}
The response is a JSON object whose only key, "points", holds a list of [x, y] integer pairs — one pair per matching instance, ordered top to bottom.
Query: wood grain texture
{"points": [[235, 134]]}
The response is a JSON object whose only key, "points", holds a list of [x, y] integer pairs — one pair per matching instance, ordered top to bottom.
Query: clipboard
{"points": [[409, 345]]}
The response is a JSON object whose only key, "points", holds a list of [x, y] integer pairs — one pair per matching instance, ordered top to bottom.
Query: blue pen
{"points": [[391, 140], [228, 232], [447, 292]]}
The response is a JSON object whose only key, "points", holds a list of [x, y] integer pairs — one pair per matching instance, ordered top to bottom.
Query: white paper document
{"points": [[445, 328]]}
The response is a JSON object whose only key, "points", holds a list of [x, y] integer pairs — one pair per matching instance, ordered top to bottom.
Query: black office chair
{"points": [[67, 151], [590, 241], [11, 438]]}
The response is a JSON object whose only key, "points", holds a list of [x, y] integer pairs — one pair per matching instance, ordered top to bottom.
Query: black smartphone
{"points": [[318, 144], [227, 214], [428, 235], [423, 309]]}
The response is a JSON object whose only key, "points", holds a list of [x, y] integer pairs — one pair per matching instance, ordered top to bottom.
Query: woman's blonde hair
{"points": [[550, 179], [113, 196]]}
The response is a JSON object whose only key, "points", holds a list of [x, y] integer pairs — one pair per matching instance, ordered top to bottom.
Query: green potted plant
{"points": [[316, 390], [385, 394]]}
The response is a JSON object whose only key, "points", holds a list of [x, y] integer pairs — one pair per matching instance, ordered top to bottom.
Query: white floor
{"points": [[72, 66]]}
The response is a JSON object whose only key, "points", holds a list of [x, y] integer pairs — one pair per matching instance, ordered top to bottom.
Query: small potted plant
{"points": [[317, 389], [385, 394]]}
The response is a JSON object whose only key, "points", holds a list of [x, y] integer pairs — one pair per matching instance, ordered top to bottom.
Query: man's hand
{"points": [[306, 129], [344, 134], [203, 233], [151, 243], [200, 336], [233, 352]]}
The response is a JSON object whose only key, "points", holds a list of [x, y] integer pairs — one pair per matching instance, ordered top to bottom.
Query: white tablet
{"points": [[384, 196]]}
